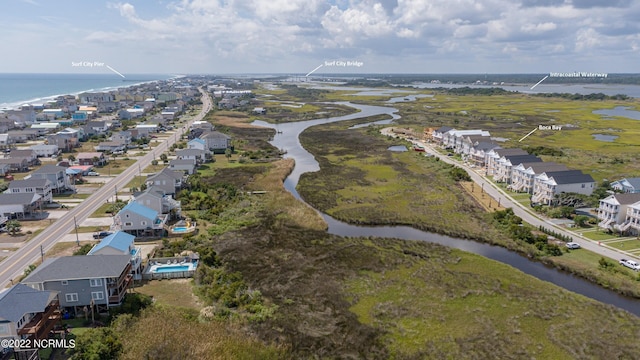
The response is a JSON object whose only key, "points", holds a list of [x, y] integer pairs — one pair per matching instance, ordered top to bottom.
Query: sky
{"points": [[297, 36]]}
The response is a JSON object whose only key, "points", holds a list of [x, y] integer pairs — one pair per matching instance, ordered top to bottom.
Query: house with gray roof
{"points": [[217, 142], [199, 156], [493, 156], [16, 164], [187, 166], [504, 166], [523, 174], [168, 180], [60, 181], [549, 184], [627, 185], [41, 187], [155, 198], [20, 206], [82, 280], [27, 313]]}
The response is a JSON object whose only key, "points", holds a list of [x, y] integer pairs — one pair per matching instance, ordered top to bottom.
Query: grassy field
{"points": [[513, 116], [362, 182], [173, 293]]}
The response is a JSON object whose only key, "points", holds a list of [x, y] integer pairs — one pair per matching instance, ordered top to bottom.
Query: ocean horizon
{"points": [[35, 88]]}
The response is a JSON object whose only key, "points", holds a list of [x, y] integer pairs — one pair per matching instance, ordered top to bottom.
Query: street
{"points": [[520, 210], [15, 264]]}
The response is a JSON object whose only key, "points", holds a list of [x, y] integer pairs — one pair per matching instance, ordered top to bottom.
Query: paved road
{"points": [[522, 211], [13, 266]]}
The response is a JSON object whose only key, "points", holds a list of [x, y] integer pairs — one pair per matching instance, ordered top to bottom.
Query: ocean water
{"points": [[17, 89]]}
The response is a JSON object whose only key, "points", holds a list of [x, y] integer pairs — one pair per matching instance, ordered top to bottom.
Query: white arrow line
{"points": [[114, 70], [312, 71], [538, 83], [532, 131]]}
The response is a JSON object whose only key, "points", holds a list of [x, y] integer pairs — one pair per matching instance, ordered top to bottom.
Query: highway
{"points": [[519, 209], [14, 265]]}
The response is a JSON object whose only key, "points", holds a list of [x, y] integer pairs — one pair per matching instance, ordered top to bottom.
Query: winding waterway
{"points": [[287, 138]]}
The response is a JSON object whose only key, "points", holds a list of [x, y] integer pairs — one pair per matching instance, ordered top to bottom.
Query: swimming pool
{"points": [[179, 229], [169, 268]]}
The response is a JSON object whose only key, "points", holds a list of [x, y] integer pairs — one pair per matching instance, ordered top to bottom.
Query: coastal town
{"points": [[103, 172]]}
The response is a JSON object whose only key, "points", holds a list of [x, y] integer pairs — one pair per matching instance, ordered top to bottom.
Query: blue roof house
{"points": [[140, 221], [120, 243]]}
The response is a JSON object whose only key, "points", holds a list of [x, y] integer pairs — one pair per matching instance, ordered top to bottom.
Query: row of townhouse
{"points": [[521, 171]]}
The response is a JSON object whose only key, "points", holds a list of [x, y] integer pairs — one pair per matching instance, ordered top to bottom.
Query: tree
{"points": [[227, 153], [71, 158], [164, 158], [95, 160], [154, 162], [581, 220], [13, 227], [98, 344]]}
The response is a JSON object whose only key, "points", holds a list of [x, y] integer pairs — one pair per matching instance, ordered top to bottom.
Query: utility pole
{"points": [[115, 189], [75, 225], [41, 253]]}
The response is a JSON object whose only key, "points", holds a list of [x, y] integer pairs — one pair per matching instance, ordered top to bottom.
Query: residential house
{"points": [[259, 111], [204, 125], [96, 128], [145, 130], [438, 134], [21, 136], [123, 136], [453, 138], [5, 141], [217, 142], [467, 143], [198, 144], [111, 146], [43, 150], [29, 154], [478, 154], [496, 154], [197, 155], [91, 158], [16, 164], [187, 166], [504, 166], [4, 169], [57, 175], [523, 175], [168, 180], [547, 185], [627, 185], [41, 187], [155, 198], [20, 205], [612, 211], [140, 220], [632, 222], [120, 243], [98, 280], [27, 313]]}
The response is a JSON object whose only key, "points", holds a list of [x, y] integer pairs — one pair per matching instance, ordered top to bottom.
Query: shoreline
{"points": [[43, 99]]}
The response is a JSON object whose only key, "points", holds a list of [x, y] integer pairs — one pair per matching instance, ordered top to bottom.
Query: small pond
{"points": [[623, 111], [603, 137], [399, 148]]}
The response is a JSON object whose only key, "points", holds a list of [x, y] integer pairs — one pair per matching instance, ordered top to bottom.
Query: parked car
{"points": [[93, 173], [101, 234], [573, 245], [630, 264]]}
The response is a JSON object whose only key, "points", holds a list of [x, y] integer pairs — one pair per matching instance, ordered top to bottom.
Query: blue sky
{"points": [[285, 36]]}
